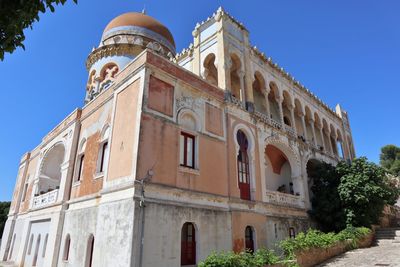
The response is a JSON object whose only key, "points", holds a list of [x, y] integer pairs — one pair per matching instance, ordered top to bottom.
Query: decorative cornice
{"points": [[109, 50]]}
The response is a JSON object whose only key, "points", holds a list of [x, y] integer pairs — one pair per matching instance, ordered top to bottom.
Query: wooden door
{"points": [[249, 239], [188, 245]]}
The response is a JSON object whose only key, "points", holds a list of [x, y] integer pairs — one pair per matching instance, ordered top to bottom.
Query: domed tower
{"points": [[125, 37]]}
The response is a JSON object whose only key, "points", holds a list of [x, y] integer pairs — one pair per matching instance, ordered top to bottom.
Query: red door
{"points": [[243, 166], [188, 245]]}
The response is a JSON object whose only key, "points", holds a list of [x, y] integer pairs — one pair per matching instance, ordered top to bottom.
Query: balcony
{"points": [[290, 131], [45, 199], [284, 199]]}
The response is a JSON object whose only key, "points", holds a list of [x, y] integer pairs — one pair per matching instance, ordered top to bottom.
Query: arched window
{"points": [[210, 71], [235, 77], [104, 148], [80, 160], [243, 165], [249, 239], [188, 244], [67, 245], [36, 251], [89, 251]]}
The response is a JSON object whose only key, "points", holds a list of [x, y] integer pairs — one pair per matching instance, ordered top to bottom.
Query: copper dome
{"points": [[141, 20]]}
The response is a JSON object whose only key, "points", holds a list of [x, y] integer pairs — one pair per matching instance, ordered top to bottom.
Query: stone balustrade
{"points": [[276, 124], [290, 131], [45, 199], [284, 199]]}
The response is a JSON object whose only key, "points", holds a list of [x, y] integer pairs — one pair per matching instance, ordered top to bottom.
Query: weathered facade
{"points": [[192, 152]]}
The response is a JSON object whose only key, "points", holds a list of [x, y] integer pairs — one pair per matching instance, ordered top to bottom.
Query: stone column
{"points": [[241, 75], [280, 101], [267, 104], [291, 109], [303, 122], [313, 131], [322, 138], [329, 141], [334, 145]]}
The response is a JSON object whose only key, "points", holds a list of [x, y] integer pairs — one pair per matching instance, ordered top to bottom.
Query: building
{"points": [[192, 152]]}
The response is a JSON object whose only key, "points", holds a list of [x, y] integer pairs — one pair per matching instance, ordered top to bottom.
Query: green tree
{"points": [[17, 15], [390, 159], [364, 190], [351, 194], [327, 207], [4, 208]]}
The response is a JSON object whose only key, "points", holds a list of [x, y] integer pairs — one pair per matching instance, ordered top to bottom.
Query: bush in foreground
{"points": [[317, 239], [259, 258]]}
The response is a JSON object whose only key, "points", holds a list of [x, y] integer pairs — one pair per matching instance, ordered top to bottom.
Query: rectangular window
{"points": [[187, 147]]}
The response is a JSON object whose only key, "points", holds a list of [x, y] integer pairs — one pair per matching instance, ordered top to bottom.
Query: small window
{"points": [[286, 121], [187, 153], [103, 156], [80, 167], [24, 192], [292, 232], [30, 245], [45, 245], [67, 245], [12, 247], [89, 252], [35, 257]]}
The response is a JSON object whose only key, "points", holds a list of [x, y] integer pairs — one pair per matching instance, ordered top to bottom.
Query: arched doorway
{"points": [[243, 165], [249, 239], [188, 244]]}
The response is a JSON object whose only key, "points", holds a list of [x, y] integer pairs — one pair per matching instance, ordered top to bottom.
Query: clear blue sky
{"points": [[346, 52]]}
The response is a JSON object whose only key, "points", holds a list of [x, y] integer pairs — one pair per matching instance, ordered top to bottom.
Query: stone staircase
{"points": [[387, 236]]}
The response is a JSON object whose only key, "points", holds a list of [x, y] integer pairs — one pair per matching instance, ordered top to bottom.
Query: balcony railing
{"points": [[236, 101], [264, 118], [276, 124], [290, 131], [45, 199], [284, 199]]}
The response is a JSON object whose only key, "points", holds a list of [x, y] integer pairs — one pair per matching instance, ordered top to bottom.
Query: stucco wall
{"points": [[163, 233]]}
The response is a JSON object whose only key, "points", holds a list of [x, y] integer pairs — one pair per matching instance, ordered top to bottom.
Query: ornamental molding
{"points": [[110, 50], [188, 102]]}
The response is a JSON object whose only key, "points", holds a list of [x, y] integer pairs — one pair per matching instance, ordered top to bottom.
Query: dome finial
{"points": [[144, 9]]}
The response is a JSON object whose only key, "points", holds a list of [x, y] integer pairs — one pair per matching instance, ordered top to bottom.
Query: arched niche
{"points": [[210, 69], [235, 77], [258, 93], [282, 169], [50, 171]]}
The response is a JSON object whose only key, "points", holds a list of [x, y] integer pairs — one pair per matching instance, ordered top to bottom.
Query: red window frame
{"points": [[186, 137]]}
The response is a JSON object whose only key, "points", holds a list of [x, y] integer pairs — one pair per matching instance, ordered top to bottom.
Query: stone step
{"points": [[386, 236]]}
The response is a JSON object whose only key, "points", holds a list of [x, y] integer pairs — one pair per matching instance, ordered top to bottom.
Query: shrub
{"points": [[317, 239], [260, 258]]}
